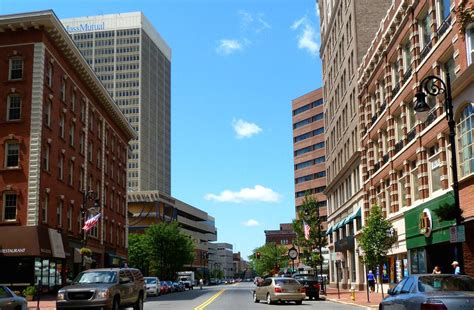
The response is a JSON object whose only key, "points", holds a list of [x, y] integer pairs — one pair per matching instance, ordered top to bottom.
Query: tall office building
{"points": [[347, 29], [134, 64]]}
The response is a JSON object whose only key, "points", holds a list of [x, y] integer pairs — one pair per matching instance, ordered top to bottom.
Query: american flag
{"points": [[90, 223], [306, 230]]}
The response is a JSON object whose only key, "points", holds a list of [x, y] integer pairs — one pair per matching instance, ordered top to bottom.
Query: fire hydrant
{"points": [[353, 293]]}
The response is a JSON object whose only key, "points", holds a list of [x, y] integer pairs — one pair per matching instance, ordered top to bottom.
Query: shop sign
{"points": [[426, 223], [457, 234], [13, 251]]}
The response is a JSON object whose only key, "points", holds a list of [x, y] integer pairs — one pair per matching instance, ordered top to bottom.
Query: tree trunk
{"points": [[381, 278]]}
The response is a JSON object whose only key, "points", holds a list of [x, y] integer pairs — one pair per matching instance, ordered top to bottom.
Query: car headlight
{"points": [[103, 293], [61, 295]]}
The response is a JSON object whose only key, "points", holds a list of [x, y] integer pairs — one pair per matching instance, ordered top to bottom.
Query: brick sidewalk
{"points": [[360, 297], [47, 302]]}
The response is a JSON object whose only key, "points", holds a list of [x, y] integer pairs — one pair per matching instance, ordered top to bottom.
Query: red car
{"points": [[164, 289]]}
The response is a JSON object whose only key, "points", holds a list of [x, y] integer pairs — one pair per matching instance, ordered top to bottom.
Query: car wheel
{"points": [[255, 299], [269, 299], [299, 302], [116, 303], [139, 304]]}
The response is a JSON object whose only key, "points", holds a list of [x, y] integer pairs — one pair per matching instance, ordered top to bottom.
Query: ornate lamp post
{"points": [[434, 86], [88, 195]]}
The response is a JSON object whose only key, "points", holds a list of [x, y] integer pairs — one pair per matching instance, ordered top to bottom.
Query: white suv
{"points": [[153, 286]]}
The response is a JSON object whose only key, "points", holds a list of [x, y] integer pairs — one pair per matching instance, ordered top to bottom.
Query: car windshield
{"points": [[96, 277], [150, 281], [285, 281], [446, 283]]}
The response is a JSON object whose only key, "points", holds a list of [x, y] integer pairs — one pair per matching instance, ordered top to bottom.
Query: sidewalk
{"points": [[360, 298], [47, 302]]}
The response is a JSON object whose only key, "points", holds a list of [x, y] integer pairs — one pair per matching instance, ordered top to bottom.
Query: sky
{"points": [[236, 67]]}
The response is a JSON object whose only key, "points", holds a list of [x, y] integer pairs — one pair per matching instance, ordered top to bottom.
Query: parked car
{"points": [[310, 283], [153, 286], [179, 286], [110, 288], [165, 289], [172, 289], [279, 289], [431, 292], [10, 301]]}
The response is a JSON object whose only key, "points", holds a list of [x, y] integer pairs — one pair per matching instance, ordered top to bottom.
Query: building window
{"points": [[445, 9], [425, 31], [470, 44], [407, 56], [450, 67], [16, 69], [49, 74], [63, 90], [73, 100], [13, 108], [83, 110], [47, 113], [61, 125], [72, 129], [465, 141], [81, 143], [89, 151], [12, 152], [99, 152], [46, 154], [61, 167], [434, 169], [71, 173], [81, 180], [414, 182], [402, 200], [9, 206], [44, 209], [59, 213], [69, 217]]}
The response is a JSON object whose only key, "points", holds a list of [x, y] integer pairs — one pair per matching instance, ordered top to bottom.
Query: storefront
{"points": [[428, 235], [29, 254]]}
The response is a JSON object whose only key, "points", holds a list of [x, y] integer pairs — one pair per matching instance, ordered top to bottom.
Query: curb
{"points": [[352, 304]]}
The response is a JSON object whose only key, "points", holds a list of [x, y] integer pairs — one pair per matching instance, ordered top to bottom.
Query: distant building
{"points": [[133, 62], [62, 136], [151, 207], [284, 236], [221, 258]]}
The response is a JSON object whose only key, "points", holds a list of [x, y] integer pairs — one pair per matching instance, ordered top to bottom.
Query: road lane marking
{"points": [[210, 300]]}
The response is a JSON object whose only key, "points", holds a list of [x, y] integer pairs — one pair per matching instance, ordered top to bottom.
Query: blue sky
{"points": [[236, 66]]}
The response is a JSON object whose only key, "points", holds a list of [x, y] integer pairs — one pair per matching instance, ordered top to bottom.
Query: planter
{"points": [[29, 298]]}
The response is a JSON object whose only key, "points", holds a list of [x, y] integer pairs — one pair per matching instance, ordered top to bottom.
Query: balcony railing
{"points": [[444, 26], [425, 51], [407, 74], [395, 89], [430, 118], [411, 134], [398, 146], [385, 159]]}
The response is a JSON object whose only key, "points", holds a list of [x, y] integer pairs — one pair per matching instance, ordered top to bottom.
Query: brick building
{"points": [[62, 136], [405, 157], [284, 236]]}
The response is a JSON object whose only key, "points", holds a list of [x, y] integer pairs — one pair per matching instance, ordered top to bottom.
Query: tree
{"points": [[309, 213], [377, 238], [162, 250], [138, 253], [272, 258]]}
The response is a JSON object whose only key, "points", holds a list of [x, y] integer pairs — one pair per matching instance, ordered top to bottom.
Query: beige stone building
{"points": [[347, 29]]}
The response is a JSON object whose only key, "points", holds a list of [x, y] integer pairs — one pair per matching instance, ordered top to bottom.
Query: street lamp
{"points": [[434, 86], [88, 195]]}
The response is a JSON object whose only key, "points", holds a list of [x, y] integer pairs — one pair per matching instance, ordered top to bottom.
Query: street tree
{"points": [[376, 239], [311, 241], [138, 253], [271, 258]]}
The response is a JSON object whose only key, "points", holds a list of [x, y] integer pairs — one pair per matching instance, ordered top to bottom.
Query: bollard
{"points": [[353, 294]]}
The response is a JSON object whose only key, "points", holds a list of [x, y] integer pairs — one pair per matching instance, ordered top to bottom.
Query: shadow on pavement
{"points": [[186, 295]]}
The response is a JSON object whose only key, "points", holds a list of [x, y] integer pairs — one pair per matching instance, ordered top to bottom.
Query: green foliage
{"points": [[446, 212], [309, 213], [377, 238], [162, 250], [85, 251], [272, 257], [217, 274], [29, 291]]}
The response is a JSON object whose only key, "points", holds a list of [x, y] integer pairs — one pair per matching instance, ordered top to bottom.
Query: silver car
{"points": [[153, 286], [279, 289], [431, 292], [10, 301]]}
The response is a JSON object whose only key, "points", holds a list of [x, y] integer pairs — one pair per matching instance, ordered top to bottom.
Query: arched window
{"points": [[465, 140]]}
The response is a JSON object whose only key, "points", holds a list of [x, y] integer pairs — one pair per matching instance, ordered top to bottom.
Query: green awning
{"points": [[353, 216], [329, 230]]}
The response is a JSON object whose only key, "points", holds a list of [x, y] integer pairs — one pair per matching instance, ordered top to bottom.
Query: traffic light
{"points": [[258, 255]]}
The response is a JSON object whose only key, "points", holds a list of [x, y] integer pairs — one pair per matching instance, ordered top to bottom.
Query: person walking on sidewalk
{"points": [[457, 269], [371, 281]]}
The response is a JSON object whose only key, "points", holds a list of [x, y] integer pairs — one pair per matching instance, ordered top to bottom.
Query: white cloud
{"points": [[318, 13], [245, 18], [253, 22], [307, 36], [228, 46], [244, 129], [258, 193], [251, 223]]}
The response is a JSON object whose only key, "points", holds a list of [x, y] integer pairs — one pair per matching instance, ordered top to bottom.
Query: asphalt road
{"points": [[228, 297]]}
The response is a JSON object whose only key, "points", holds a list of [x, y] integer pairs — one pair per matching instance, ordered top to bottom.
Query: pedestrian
{"points": [[457, 269], [436, 270], [371, 280], [201, 282]]}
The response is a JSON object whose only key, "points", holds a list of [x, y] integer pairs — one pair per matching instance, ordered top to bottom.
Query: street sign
{"points": [[457, 234]]}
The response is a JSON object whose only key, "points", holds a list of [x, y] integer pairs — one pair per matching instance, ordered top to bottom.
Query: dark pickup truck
{"points": [[310, 283]]}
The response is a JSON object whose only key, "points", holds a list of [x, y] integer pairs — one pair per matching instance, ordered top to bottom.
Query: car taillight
{"points": [[316, 286], [277, 290], [433, 305]]}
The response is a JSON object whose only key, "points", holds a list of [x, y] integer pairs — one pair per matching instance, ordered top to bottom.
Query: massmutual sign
{"points": [[85, 27]]}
